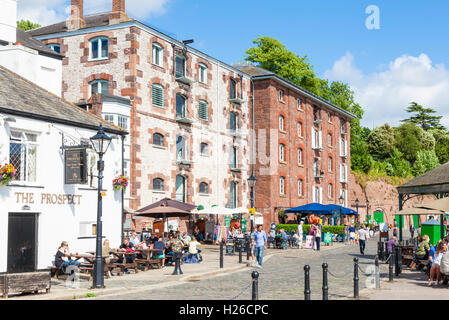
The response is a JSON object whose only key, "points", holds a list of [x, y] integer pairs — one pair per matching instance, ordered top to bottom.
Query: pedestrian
{"points": [[412, 231], [395, 232], [300, 233], [312, 233], [346, 234], [351, 234], [317, 237], [260, 238], [362, 239]]}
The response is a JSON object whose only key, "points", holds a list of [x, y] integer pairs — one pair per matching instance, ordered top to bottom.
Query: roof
{"points": [[93, 20], [28, 41], [21, 97], [434, 181], [167, 202]]}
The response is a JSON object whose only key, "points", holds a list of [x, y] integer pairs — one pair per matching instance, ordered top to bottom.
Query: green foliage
{"points": [[26, 25], [423, 117], [407, 140], [427, 140], [381, 141], [442, 149], [361, 160], [425, 161], [398, 166], [379, 168], [289, 228], [91, 295]]}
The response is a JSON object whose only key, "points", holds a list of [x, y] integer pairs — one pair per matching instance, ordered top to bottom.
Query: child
{"points": [[435, 270]]}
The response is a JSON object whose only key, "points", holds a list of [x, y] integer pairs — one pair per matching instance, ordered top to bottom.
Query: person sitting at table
{"points": [[199, 236], [185, 238], [153, 239], [134, 240], [160, 245], [127, 246], [106, 251], [422, 252], [193, 256], [62, 257], [435, 268]]}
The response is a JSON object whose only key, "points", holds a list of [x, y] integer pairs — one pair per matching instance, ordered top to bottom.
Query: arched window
{"points": [[55, 47], [99, 48], [158, 54], [180, 63], [202, 68], [99, 86], [158, 95], [298, 103], [180, 106], [202, 110], [281, 123], [299, 129], [158, 139], [329, 139], [281, 152], [299, 156], [234, 158], [329, 164], [158, 184], [282, 186], [204, 188], [330, 191], [300, 193], [181, 194], [233, 195]]}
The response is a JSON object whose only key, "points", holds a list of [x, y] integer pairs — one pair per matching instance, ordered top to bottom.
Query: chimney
{"points": [[118, 13], [8, 17], [76, 20], [96, 101]]}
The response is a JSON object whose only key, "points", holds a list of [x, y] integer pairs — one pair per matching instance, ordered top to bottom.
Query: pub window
{"points": [[99, 48], [109, 118], [123, 122], [22, 155], [158, 184], [204, 188]]}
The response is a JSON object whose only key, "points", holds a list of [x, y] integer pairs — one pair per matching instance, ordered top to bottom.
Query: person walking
{"points": [[412, 231], [300, 233], [351, 234], [317, 237], [260, 239], [362, 239]]}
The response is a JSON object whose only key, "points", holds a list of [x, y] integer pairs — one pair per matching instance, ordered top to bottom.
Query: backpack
{"points": [[444, 265]]}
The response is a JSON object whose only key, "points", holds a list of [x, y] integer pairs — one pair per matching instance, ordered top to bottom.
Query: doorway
{"points": [[158, 228], [22, 242]]}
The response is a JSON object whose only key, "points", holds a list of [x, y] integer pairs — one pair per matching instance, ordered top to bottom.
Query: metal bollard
{"points": [[248, 248], [240, 253], [221, 255], [177, 257], [396, 260], [399, 260], [376, 263], [390, 267], [255, 276], [356, 278], [307, 282], [325, 285]]}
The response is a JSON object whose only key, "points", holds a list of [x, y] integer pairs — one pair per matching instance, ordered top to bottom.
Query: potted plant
{"points": [[7, 173], [120, 182]]}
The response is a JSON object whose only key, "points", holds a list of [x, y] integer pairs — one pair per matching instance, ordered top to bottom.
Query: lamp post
{"points": [[101, 143], [252, 183], [341, 199], [357, 202], [367, 209]]}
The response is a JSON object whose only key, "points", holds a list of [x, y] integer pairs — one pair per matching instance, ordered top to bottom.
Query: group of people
{"points": [[357, 236]]}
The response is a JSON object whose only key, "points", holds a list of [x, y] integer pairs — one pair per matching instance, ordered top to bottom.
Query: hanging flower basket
{"points": [[7, 173], [120, 183]]}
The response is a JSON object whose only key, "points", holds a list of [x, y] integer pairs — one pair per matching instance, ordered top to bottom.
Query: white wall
{"points": [[8, 15], [44, 71], [59, 222]]}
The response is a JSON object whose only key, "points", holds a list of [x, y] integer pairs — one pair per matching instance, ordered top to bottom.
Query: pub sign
{"points": [[75, 166]]}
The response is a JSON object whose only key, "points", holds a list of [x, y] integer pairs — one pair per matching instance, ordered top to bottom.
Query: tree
{"points": [[26, 25], [423, 117], [407, 140], [427, 140], [381, 141], [442, 149], [361, 160], [425, 161], [397, 166]]}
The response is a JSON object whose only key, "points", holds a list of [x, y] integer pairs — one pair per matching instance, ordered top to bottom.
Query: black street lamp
{"points": [[101, 143], [252, 183], [341, 199], [357, 203], [367, 209]]}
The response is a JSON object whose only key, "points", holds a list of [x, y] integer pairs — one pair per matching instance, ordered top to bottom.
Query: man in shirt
{"points": [[300, 233], [260, 238], [362, 239], [134, 240], [159, 245]]}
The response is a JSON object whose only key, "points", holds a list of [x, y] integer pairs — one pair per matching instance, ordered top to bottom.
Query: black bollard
{"points": [[248, 248], [241, 253], [221, 255], [177, 257], [399, 260], [396, 261], [376, 263], [390, 267], [255, 276], [356, 278], [307, 282], [325, 286]]}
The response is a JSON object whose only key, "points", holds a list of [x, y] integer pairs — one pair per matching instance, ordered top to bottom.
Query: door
{"points": [[158, 228], [22, 242]]}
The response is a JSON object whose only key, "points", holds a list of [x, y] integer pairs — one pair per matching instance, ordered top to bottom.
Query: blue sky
{"points": [[405, 60]]}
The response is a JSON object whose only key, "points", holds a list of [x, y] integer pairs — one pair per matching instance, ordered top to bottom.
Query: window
{"points": [[55, 47], [99, 48], [158, 54], [180, 62], [202, 68], [99, 86], [233, 89], [158, 95], [281, 95], [298, 103], [180, 106], [202, 110], [109, 118], [329, 118], [123, 122], [234, 122], [281, 123], [342, 126], [299, 129], [158, 139], [316, 139], [329, 140], [181, 148], [343, 148], [204, 149], [281, 152], [22, 155], [299, 156], [234, 158], [329, 164], [316, 171], [343, 173], [158, 184], [282, 186], [204, 188], [300, 188], [330, 192], [344, 193], [317, 194], [181, 195], [233, 195], [87, 229]]}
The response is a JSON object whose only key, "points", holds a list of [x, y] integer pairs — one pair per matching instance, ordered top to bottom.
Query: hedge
{"points": [[289, 228]]}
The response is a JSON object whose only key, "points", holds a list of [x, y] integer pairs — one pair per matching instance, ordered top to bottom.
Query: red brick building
{"points": [[301, 146]]}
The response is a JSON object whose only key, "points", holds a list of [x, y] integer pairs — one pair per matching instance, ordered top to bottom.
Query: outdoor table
{"points": [[123, 255], [86, 256], [147, 261]]}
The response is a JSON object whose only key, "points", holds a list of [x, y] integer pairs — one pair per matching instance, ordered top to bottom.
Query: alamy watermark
{"points": [[372, 22]]}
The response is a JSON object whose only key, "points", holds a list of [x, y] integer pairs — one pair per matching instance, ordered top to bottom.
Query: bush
{"points": [[291, 228]]}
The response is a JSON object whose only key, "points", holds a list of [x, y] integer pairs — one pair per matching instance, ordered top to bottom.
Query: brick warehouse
{"points": [[191, 117]]}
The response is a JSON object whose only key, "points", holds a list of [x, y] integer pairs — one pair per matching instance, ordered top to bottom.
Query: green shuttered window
{"points": [[158, 95], [203, 112]]}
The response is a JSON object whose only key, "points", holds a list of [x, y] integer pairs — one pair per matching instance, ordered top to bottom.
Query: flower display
{"points": [[7, 173], [119, 183]]}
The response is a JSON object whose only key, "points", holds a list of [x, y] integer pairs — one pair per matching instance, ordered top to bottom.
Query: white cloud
{"points": [[47, 12], [385, 94]]}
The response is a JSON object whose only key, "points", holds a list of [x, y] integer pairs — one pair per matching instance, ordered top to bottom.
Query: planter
{"points": [[25, 282]]}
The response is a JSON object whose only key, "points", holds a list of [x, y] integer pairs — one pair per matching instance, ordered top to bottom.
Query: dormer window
{"points": [[55, 47], [99, 48], [99, 86]]}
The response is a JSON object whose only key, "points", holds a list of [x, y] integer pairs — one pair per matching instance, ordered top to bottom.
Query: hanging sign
{"points": [[75, 161]]}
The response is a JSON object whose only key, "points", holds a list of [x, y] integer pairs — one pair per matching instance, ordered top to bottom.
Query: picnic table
{"points": [[148, 260]]}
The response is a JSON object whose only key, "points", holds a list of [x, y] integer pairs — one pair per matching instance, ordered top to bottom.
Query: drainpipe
{"points": [[253, 133], [123, 192]]}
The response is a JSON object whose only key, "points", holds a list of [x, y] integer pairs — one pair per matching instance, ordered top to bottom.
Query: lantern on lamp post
{"points": [[252, 183], [341, 199]]}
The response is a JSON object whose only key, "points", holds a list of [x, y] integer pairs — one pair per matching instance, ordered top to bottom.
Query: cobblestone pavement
{"points": [[281, 278]]}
